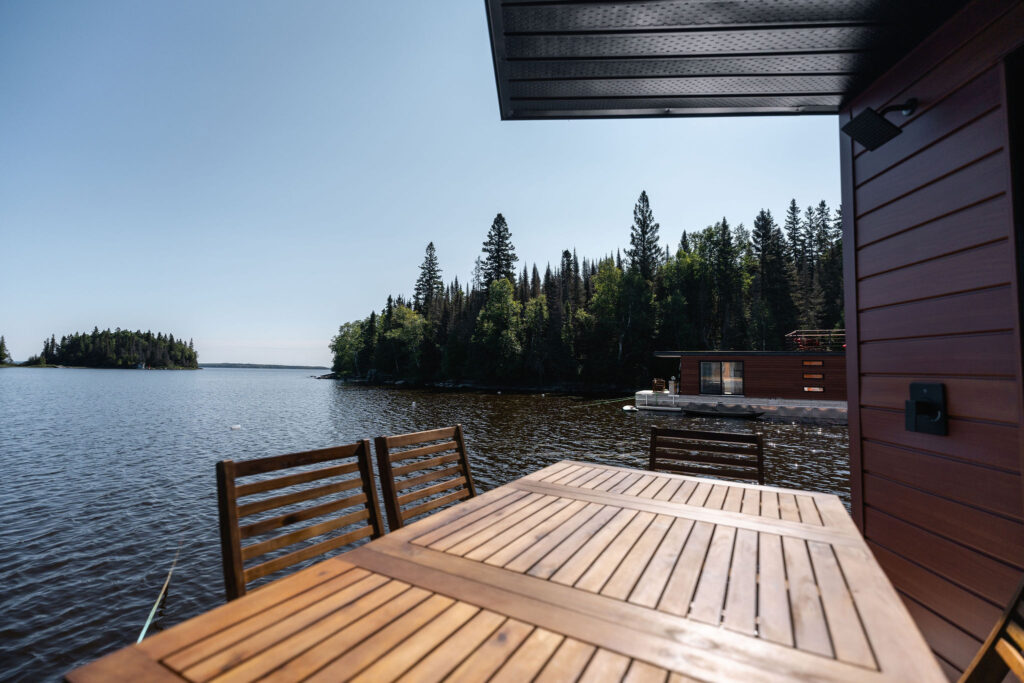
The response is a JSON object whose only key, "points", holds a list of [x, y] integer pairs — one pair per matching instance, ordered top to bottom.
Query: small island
{"points": [[117, 349]]}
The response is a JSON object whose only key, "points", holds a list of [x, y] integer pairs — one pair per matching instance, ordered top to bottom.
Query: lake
{"points": [[106, 472]]}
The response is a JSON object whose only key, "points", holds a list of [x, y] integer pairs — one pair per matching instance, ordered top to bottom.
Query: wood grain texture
{"points": [[615, 592]]}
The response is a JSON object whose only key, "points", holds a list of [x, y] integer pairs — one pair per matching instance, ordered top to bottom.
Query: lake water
{"points": [[105, 472]]}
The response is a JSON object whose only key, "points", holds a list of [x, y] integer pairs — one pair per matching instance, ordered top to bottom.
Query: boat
{"points": [[738, 413]]}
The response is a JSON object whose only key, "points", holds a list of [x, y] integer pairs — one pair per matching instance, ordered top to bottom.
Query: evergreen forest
{"points": [[597, 321], [118, 349]]}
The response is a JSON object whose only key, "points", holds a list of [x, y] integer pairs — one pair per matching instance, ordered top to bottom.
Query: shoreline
{"points": [[84, 367], [562, 388]]}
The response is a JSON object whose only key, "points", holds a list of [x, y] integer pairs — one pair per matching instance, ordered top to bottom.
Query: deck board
{"points": [[575, 572]]}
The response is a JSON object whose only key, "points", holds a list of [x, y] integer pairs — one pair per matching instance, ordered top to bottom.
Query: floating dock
{"points": [[833, 412]]}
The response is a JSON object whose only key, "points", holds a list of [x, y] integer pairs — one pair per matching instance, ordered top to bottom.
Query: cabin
{"points": [[928, 97], [761, 374], [801, 386]]}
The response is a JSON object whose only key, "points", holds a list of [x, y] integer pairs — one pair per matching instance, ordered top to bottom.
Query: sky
{"points": [[252, 174]]}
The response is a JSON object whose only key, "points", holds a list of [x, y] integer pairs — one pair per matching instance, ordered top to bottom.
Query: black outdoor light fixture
{"points": [[871, 129]]}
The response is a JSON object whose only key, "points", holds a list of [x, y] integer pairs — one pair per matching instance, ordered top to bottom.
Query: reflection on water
{"points": [[107, 471]]}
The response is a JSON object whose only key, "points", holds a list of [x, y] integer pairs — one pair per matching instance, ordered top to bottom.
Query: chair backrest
{"points": [[714, 454], [431, 465], [347, 516], [1003, 650]]}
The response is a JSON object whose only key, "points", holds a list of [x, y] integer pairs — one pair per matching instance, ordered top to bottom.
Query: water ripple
{"points": [[105, 472]]}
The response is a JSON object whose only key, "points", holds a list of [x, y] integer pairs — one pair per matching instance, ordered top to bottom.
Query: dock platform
{"points": [[833, 412]]}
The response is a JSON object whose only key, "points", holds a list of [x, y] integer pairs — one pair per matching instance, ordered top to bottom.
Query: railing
{"points": [[817, 340]]}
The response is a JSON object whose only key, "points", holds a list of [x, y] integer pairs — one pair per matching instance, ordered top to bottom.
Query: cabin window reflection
{"points": [[725, 378]]}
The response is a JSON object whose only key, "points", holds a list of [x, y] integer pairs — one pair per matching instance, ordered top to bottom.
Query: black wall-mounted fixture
{"points": [[871, 129], [926, 409]]}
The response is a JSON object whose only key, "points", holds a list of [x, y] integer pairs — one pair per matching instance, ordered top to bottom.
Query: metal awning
{"points": [[572, 59]]}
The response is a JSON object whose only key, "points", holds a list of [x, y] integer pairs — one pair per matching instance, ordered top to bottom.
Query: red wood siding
{"points": [[932, 295], [775, 376]]}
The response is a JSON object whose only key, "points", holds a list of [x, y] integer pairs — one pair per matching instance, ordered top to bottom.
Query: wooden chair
{"points": [[714, 454], [438, 459], [360, 510], [1003, 650]]}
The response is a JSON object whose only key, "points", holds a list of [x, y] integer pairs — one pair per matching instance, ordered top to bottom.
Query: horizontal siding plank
{"points": [[963, 105], [965, 146], [967, 186], [970, 227], [986, 266], [984, 310], [993, 354], [973, 398], [998, 492], [997, 536], [989, 578], [946, 599], [945, 639]]}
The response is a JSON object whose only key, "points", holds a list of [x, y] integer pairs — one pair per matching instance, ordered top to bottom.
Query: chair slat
{"points": [[420, 437], [725, 437], [451, 438], [708, 447], [424, 450], [697, 456], [737, 456], [424, 464], [247, 468], [730, 472], [293, 479], [402, 484], [430, 490], [297, 497], [317, 501], [434, 504], [271, 523], [263, 547], [288, 560], [1015, 633], [1001, 651], [1012, 656]]}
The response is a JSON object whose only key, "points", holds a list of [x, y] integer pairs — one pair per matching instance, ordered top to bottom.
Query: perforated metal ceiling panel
{"points": [[573, 59]]}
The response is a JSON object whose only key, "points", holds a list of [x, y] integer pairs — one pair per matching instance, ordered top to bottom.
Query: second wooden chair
{"points": [[714, 454], [438, 470], [347, 519]]}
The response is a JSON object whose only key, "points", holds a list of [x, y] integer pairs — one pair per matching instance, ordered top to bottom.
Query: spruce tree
{"points": [[644, 252], [500, 254], [535, 283], [429, 285], [5, 356]]}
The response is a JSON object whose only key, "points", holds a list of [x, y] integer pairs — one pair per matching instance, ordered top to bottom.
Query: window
{"points": [[813, 375], [721, 378], [814, 388]]}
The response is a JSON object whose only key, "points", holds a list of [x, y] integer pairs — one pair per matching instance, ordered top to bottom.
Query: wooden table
{"points": [[611, 573]]}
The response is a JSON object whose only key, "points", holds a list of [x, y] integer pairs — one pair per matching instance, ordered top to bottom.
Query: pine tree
{"points": [[794, 234], [644, 252], [500, 254], [535, 283], [429, 285], [771, 300], [5, 356]]}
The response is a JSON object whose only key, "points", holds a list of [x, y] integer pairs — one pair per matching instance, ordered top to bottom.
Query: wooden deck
{"points": [[577, 569]]}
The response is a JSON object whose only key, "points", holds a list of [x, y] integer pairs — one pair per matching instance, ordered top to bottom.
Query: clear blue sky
{"points": [[252, 174]]}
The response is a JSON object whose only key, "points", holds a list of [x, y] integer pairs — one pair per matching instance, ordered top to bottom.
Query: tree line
{"points": [[598, 321], [118, 349]]}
